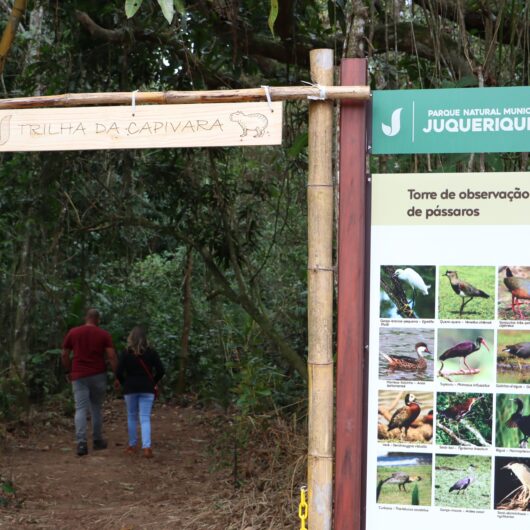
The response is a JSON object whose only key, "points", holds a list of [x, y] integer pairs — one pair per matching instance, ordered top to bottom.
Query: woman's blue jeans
{"points": [[139, 405]]}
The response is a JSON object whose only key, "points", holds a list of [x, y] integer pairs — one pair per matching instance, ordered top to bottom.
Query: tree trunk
{"points": [[23, 298], [186, 322]]}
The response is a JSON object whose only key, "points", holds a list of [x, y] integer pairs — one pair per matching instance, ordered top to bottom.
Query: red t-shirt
{"points": [[89, 344]]}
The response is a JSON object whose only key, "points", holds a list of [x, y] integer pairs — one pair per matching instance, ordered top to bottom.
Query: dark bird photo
{"points": [[467, 285], [407, 291], [514, 293], [521, 350], [405, 354], [464, 355], [513, 357], [403, 417], [400, 418], [464, 419], [513, 420], [404, 478], [462, 481], [462, 484], [512, 484]]}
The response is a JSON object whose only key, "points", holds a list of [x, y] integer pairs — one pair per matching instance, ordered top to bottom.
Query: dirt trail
{"points": [[110, 490]]}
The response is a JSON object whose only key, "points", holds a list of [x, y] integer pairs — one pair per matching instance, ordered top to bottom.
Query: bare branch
{"points": [[450, 433]]}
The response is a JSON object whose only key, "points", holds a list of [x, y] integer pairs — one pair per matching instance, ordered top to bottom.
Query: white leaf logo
{"points": [[395, 123], [4, 129]]}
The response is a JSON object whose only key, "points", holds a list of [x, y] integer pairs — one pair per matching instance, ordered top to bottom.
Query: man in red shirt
{"points": [[92, 347]]}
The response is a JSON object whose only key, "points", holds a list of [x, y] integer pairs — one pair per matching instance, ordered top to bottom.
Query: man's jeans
{"points": [[89, 392]]}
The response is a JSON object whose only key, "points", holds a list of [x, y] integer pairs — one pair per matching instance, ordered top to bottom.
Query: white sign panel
{"points": [[198, 125], [449, 366]]}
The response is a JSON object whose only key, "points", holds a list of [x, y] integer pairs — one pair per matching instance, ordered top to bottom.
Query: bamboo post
{"points": [[320, 298]]}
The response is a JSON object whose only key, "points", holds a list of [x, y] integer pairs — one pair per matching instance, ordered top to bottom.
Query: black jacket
{"points": [[132, 375]]}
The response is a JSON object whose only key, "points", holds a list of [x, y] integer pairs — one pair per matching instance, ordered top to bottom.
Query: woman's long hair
{"points": [[137, 341]]}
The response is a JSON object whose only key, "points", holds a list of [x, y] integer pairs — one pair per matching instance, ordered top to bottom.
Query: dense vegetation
{"points": [[205, 247]]}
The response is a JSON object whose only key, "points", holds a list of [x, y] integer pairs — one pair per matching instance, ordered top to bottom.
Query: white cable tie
{"points": [[321, 91], [268, 96], [133, 102]]}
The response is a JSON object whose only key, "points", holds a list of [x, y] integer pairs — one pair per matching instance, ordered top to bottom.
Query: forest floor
{"points": [[182, 487]]}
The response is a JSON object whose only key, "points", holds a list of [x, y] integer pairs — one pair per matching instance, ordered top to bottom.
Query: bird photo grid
{"points": [[448, 426]]}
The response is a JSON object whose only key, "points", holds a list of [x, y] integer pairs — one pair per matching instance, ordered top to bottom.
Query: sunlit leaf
{"points": [[180, 6], [131, 7], [168, 9], [273, 15], [299, 144]]}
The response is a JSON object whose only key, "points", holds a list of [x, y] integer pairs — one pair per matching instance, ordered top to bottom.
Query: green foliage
{"points": [[132, 6], [168, 9], [273, 15], [482, 278], [45, 374], [14, 402], [450, 468], [7, 493], [415, 501]]}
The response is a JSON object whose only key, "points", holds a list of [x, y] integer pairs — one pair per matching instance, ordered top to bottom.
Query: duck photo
{"points": [[407, 291], [466, 293], [406, 354], [405, 417]]}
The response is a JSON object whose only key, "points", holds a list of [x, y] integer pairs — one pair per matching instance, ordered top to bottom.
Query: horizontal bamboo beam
{"points": [[277, 93]]}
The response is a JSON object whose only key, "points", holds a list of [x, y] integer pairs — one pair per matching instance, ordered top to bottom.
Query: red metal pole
{"points": [[350, 451]]}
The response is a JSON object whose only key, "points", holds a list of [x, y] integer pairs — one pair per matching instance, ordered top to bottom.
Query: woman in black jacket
{"points": [[139, 371]]}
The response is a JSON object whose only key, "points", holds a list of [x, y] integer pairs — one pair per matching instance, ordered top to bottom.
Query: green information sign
{"points": [[452, 120]]}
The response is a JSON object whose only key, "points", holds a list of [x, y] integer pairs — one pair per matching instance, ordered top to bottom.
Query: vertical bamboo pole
{"points": [[320, 298]]}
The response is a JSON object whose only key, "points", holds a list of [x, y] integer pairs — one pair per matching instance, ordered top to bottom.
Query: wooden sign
{"points": [[145, 126]]}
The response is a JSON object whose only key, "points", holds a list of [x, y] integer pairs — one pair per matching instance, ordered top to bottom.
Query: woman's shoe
{"points": [[131, 450], [148, 452]]}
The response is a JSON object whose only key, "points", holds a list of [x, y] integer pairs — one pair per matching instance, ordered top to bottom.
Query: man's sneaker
{"points": [[100, 444], [82, 449]]}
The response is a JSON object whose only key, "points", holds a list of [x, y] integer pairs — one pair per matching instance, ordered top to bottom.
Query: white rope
{"points": [[321, 91], [268, 96], [133, 102]]}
